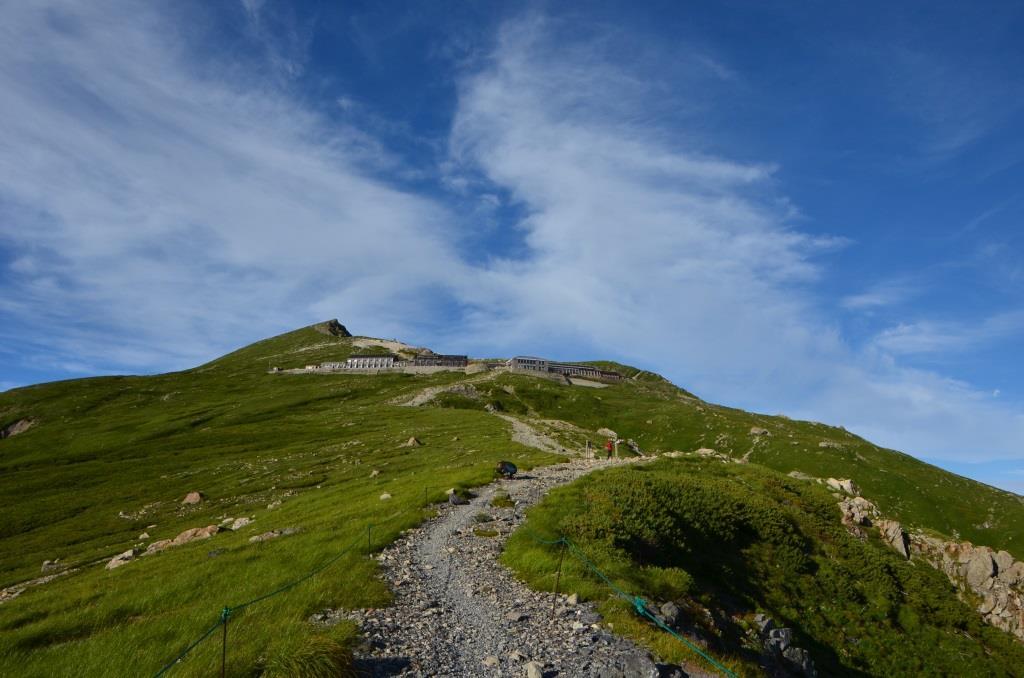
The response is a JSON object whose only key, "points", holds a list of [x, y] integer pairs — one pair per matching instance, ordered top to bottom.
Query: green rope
{"points": [[638, 603], [228, 610], [189, 648]]}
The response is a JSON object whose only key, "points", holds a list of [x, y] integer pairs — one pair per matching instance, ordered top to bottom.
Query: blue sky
{"points": [[814, 209]]}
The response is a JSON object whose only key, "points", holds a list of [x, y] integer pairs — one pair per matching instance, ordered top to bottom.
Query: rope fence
{"points": [[638, 603], [229, 610]]}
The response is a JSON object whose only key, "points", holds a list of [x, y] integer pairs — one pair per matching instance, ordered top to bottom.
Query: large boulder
{"points": [[332, 328], [758, 431], [894, 535], [1004, 561], [980, 568]]}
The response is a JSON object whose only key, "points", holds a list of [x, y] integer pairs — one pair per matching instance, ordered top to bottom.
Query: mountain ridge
{"points": [[110, 458]]}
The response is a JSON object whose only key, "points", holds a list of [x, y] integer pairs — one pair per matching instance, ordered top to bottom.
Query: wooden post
{"points": [[558, 579]]}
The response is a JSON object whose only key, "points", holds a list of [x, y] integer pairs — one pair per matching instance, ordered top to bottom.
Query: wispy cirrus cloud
{"points": [[155, 210], [155, 215], [643, 245], [881, 295], [949, 337]]}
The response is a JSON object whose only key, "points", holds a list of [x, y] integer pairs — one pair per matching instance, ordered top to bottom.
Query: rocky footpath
{"points": [[992, 580], [458, 612]]}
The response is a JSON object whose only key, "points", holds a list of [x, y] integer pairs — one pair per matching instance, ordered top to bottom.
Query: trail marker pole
{"points": [[369, 540], [558, 579]]}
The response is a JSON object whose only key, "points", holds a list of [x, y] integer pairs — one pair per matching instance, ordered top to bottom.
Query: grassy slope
{"points": [[661, 417], [246, 438], [739, 539]]}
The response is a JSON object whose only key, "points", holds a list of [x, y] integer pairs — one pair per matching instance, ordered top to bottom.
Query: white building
{"points": [[370, 362]]}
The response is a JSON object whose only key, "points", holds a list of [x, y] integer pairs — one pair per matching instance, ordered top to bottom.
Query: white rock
{"points": [[385, 496], [122, 558], [534, 670]]}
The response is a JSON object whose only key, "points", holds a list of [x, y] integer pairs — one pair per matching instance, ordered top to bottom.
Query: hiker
{"points": [[608, 448]]}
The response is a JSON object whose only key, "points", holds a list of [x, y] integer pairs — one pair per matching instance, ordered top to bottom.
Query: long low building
{"points": [[440, 360], [371, 362], [534, 364]]}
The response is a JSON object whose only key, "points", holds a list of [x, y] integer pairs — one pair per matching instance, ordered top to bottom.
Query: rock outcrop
{"points": [[332, 328], [16, 427], [758, 431], [843, 485], [273, 534], [893, 534], [185, 537], [122, 558], [51, 566], [980, 573], [994, 578], [779, 649]]}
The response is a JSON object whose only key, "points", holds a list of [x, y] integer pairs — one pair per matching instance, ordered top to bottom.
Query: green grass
{"points": [[662, 417], [246, 439], [111, 456], [502, 500], [739, 539]]}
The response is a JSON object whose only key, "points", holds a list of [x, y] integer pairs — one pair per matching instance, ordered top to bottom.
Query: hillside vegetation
{"points": [[108, 459], [725, 541]]}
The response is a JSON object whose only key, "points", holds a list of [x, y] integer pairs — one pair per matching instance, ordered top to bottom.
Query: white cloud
{"points": [[156, 216], [643, 246], [888, 293], [949, 337]]}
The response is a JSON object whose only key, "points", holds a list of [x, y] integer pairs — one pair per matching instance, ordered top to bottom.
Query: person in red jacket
{"points": [[608, 446]]}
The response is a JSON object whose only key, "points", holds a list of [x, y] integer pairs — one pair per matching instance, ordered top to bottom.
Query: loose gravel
{"points": [[458, 612]]}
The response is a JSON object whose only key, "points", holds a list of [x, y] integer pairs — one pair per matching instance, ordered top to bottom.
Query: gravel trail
{"points": [[458, 612]]}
